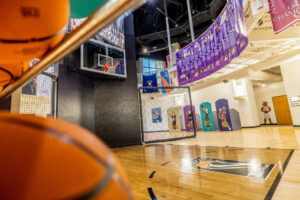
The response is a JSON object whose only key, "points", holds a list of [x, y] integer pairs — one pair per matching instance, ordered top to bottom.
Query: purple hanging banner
{"points": [[223, 41]]}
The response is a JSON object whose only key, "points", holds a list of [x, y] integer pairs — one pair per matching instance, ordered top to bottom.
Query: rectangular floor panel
{"points": [[195, 172]]}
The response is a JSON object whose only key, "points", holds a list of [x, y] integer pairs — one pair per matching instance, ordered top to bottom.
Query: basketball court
{"points": [[150, 99], [188, 169]]}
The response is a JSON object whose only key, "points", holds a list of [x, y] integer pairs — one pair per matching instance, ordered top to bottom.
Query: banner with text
{"points": [[284, 13], [223, 41]]}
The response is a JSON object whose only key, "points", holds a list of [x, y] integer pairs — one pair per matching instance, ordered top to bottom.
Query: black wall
{"points": [[5, 104], [107, 106]]}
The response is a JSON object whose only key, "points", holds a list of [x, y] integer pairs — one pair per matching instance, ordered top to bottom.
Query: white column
{"points": [[291, 79]]}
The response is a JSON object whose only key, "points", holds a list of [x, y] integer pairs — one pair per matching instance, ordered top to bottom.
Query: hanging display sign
{"points": [[258, 6], [284, 13], [113, 34], [213, 50], [165, 81], [150, 82]]}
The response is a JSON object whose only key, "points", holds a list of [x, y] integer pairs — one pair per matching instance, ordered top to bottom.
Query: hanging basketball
{"points": [[81, 8], [30, 28], [44, 158]]}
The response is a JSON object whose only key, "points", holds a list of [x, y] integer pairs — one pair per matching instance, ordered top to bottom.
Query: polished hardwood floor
{"points": [[167, 170]]}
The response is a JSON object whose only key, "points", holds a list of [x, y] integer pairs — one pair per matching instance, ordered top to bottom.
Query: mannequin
{"points": [[266, 110]]}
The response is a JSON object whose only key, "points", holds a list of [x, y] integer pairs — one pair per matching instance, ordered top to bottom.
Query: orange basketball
{"points": [[29, 28], [9, 72], [44, 158]]}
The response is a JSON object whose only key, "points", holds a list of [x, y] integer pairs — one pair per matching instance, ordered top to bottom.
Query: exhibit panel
{"points": [[163, 114], [223, 114], [207, 117], [190, 118], [235, 120]]}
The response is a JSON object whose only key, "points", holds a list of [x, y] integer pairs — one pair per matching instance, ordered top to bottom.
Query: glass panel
{"points": [[145, 63], [152, 64], [146, 71]]}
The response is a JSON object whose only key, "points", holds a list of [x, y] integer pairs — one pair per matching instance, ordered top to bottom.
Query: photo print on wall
{"points": [[156, 115], [223, 115], [188, 116], [207, 117], [174, 119]]}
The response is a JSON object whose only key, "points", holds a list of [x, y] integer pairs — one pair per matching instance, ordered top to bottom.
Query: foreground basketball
{"points": [[29, 28], [9, 72], [51, 159]]}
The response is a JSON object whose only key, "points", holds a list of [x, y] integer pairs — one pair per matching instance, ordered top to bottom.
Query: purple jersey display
{"points": [[213, 50]]}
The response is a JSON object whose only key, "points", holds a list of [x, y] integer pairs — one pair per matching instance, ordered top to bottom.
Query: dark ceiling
{"points": [[150, 23]]}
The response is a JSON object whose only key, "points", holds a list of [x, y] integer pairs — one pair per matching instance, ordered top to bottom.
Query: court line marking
{"points": [[165, 163], [152, 174], [278, 178], [151, 193]]}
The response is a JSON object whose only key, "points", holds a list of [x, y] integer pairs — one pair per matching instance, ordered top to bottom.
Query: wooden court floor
{"points": [[181, 169]]}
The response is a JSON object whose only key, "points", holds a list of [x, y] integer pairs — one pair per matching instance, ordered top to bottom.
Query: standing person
{"points": [[266, 110]]}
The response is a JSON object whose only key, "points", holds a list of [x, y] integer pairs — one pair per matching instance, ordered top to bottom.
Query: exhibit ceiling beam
{"points": [[251, 20], [269, 35], [275, 61], [250, 70], [238, 74], [264, 76]]}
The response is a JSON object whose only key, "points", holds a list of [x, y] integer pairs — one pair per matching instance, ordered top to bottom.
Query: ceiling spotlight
{"points": [[145, 50]]}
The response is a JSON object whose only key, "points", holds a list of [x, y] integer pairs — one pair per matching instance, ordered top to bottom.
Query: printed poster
{"points": [[156, 115], [223, 115], [188, 117], [207, 117], [174, 120]]}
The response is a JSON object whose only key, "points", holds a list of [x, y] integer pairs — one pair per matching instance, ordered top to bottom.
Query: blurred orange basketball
{"points": [[29, 28], [9, 72], [44, 158]]}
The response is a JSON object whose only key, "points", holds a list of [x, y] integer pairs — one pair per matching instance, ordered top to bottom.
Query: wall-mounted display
{"points": [[113, 34], [223, 41], [105, 52], [150, 81], [165, 81], [156, 115], [223, 115], [188, 117], [207, 117], [174, 119]]}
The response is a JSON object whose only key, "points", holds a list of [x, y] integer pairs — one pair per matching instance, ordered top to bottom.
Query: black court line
{"points": [[165, 163], [152, 174], [278, 178], [151, 193]]}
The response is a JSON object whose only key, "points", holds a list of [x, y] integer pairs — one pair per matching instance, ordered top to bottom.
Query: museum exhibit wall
{"points": [[290, 73], [265, 94], [164, 102], [107, 106], [247, 108]]}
